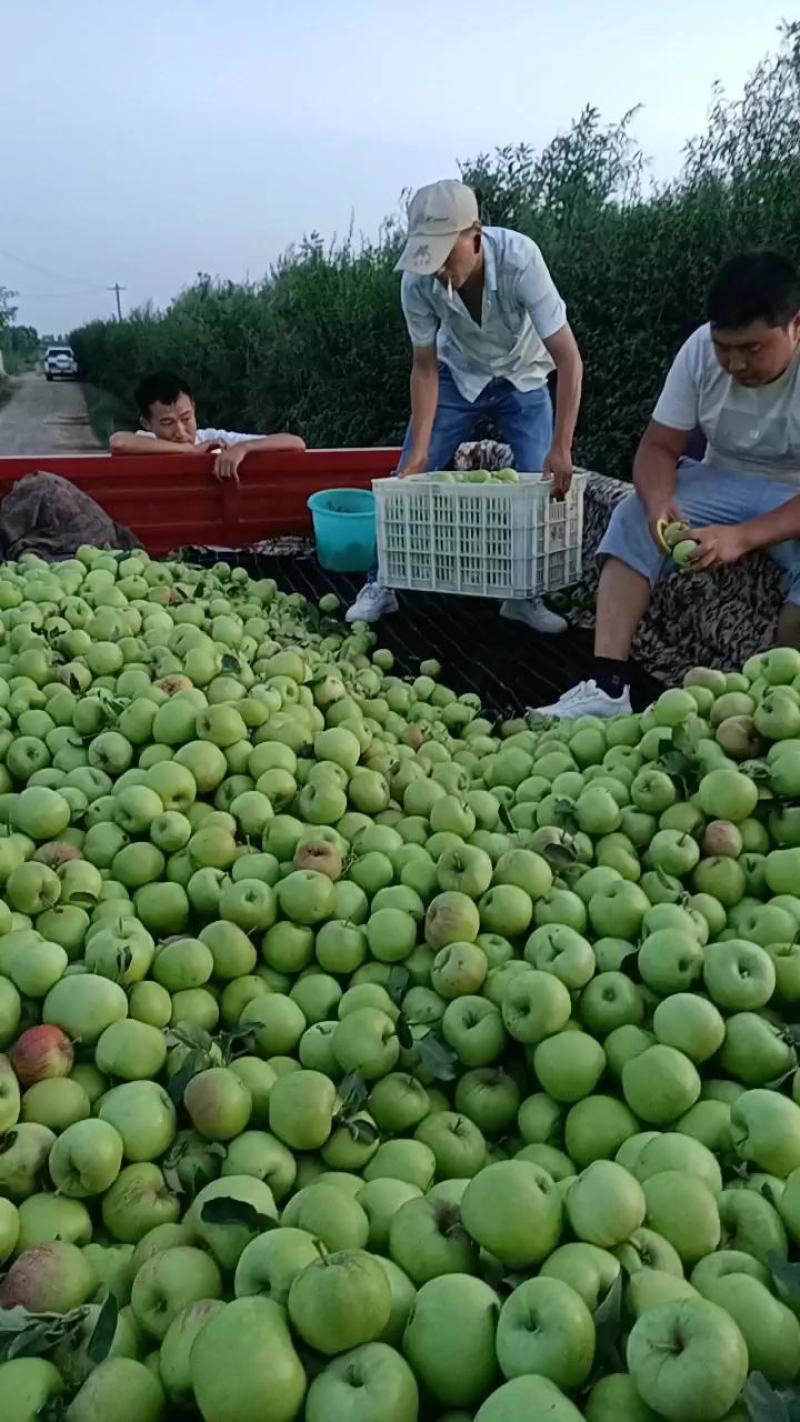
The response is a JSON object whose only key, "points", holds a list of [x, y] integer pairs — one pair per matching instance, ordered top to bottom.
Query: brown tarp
{"points": [[45, 514]]}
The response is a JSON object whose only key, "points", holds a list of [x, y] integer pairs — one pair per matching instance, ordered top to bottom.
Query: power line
{"points": [[47, 271]]}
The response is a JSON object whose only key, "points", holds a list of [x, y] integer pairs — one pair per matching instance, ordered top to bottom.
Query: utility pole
{"points": [[117, 289]]}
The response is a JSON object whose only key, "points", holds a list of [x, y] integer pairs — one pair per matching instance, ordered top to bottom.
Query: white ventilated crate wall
{"points": [[479, 540]]}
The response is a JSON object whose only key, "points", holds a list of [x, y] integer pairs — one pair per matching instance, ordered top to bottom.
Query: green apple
{"points": [[452, 917], [560, 949], [670, 960], [535, 1005], [691, 1024], [131, 1050], [569, 1065], [660, 1084], [398, 1102], [218, 1103], [301, 1107], [143, 1115], [596, 1127], [765, 1128], [458, 1146], [86, 1158], [409, 1160], [137, 1202], [605, 1204], [681, 1207], [511, 1209], [329, 1214], [44, 1217], [752, 1224], [427, 1239], [727, 1261], [270, 1263], [168, 1281], [340, 1301], [546, 1328], [770, 1330], [450, 1339], [175, 1352], [244, 1356], [704, 1378], [372, 1383], [28, 1386], [114, 1386], [527, 1398], [615, 1399]]}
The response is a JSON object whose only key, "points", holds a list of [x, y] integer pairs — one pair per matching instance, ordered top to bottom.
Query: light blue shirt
{"points": [[521, 309]]}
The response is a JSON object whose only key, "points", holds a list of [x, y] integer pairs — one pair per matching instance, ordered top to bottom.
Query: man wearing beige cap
{"points": [[487, 327]]}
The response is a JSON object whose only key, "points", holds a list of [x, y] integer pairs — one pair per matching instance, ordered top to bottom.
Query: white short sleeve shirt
{"points": [[521, 309], [754, 430], [203, 436]]}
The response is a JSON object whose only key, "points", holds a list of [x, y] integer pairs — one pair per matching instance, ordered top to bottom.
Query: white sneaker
{"points": [[372, 603], [533, 612], [587, 699]]}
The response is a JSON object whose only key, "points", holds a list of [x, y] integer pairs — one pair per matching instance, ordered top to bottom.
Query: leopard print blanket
{"points": [[715, 619]]}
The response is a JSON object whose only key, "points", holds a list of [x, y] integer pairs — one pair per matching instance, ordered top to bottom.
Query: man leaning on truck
{"points": [[487, 327]]}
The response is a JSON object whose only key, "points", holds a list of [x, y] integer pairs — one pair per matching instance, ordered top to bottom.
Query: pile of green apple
{"points": [[476, 476], [362, 1060]]}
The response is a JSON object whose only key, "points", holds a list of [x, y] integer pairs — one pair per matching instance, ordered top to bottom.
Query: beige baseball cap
{"points": [[436, 216]]}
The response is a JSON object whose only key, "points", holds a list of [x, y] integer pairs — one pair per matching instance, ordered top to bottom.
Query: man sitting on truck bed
{"points": [[737, 379], [169, 426]]}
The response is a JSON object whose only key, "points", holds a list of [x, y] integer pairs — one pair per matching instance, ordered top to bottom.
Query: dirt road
{"points": [[45, 417]]}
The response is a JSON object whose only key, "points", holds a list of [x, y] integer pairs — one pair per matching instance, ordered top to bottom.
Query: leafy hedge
{"points": [[319, 345]]}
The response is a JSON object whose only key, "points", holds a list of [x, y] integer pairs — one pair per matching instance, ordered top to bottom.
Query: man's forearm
{"points": [[568, 398], [424, 403], [126, 442], [264, 443], [655, 476], [772, 528]]}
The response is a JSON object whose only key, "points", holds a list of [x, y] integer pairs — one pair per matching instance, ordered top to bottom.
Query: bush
{"points": [[319, 346]]}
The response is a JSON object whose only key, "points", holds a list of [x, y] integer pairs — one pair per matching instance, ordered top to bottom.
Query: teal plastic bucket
{"points": [[344, 529]]}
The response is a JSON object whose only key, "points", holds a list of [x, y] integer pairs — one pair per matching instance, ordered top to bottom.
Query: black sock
{"points": [[612, 675]]}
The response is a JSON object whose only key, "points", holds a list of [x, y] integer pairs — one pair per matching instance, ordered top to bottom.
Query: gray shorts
{"points": [[705, 495]]}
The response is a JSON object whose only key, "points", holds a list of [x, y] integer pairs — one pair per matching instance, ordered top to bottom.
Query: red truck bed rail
{"points": [[171, 500]]}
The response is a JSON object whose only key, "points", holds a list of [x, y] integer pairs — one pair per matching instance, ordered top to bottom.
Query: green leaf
{"points": [[231, 664], [559, 855], [397, 987], [404, 1034], [439, 1059], [177, 1084], [353, 1092], [362, 1129], [225, 1210], [786, 1276], [608, 1327], [103, 1332], [763, 1403]]}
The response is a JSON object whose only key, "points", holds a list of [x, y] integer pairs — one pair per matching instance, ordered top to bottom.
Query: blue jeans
{"points": [[524, 420], [704, 495]]}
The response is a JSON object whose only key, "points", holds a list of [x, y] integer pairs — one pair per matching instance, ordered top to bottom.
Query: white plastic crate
{"points": [[479, 540]]}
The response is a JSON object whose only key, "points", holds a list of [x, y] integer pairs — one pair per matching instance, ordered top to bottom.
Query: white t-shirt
{"points": [[521, 309], [753, 430], [203, 436]]}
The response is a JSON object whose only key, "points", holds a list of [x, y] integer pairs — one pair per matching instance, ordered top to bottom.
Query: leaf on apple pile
{"points": [[231, 664], [560, 855], [397, 986], [404, 1034], [239, 1042], [439, 1059], [194, 1063], [353, 1092], [362, 1129], [226, 1210], [786, 1276], [608, 1327], [103, 1332], [31, 1335], [765, 1404]]}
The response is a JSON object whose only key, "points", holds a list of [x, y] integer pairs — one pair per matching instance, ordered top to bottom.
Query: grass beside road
{"points": [[107, 412]]}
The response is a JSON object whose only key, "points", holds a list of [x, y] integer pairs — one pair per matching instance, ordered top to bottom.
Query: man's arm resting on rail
{"points": [[129, 442]]}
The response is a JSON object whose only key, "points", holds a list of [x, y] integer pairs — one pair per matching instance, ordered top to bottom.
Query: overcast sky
{"points": [[143, 142]]}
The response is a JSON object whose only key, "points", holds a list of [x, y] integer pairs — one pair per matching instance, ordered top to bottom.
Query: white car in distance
{"points": [[60, 360]]}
